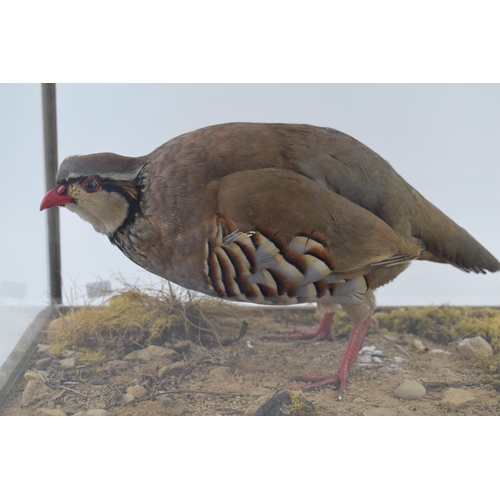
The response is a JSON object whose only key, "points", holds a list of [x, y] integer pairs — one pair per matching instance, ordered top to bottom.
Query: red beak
{"points": [[53, 199]]}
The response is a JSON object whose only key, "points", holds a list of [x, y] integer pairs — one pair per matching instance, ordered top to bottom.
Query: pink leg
{"points": [[322, 331], [342, 374]]}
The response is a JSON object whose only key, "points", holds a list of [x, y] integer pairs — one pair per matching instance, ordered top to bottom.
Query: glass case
{"points": [[24, 270]]}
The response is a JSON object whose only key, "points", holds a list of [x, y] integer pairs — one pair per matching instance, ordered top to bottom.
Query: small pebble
{"points": [[391, 338], [180, 346], [419, 346], [249, 347], [368, 348], [475, 348], [151, 352], [364, 358], [376, 359], [398, 359], [43, 363], [68, 363], [115, 366], [172, 369], [446, 374], [35, 375], [410, 389], [137, 391], [127, 399], [165, 400], [359, 400], [251, 411], [54, 412], [97, 412], [379, 412]]}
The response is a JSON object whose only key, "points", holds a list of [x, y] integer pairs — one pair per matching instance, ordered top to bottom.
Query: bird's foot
{"points": [[321, 332], [339, 378]]}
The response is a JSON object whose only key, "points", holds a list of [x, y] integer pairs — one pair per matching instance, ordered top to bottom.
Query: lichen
{"points": [[300, 407]]}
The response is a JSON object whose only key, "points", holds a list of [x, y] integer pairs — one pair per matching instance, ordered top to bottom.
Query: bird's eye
{"points": [[90, 185]]}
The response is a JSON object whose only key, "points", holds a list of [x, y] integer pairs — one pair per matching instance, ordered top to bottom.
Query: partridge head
{"points": [[269, 214]]}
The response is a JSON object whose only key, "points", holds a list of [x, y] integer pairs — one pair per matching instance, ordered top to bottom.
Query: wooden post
{"points": [[51, 164]]}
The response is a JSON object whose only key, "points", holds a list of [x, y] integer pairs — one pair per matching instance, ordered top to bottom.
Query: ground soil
{"points": [[240, 375]]}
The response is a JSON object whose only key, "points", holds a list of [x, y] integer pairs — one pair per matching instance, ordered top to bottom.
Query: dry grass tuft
{"points": [[136, 318]]}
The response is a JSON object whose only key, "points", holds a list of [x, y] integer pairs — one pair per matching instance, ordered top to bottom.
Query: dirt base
{"points": [[237, 378]]}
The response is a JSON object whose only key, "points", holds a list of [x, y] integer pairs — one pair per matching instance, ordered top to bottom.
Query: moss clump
{"points": [[444, 324], [92, 356], [300, 407]]}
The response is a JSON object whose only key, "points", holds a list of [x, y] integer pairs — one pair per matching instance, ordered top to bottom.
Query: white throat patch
{"points": [[105, 210]]}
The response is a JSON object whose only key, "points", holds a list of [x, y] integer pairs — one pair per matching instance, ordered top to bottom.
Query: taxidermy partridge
{"points": [[268, 214]]}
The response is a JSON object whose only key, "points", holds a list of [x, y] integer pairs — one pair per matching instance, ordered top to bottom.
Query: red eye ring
{"points": [[90, 185]]}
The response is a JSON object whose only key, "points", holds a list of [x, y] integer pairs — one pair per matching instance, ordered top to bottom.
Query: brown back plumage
{"points": [[333, 160]]}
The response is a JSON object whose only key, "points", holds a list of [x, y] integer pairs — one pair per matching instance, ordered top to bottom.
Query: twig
{"points": [[241, 334], [404, 352], [432, 385], [73, 390], [208, 392]]}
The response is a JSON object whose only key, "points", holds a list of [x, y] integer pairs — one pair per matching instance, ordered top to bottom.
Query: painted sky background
{"points": [[443, 139]]}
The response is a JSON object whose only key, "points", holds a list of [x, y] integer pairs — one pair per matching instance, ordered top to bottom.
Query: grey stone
{"points": [[475, 348], [410, 389]]}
